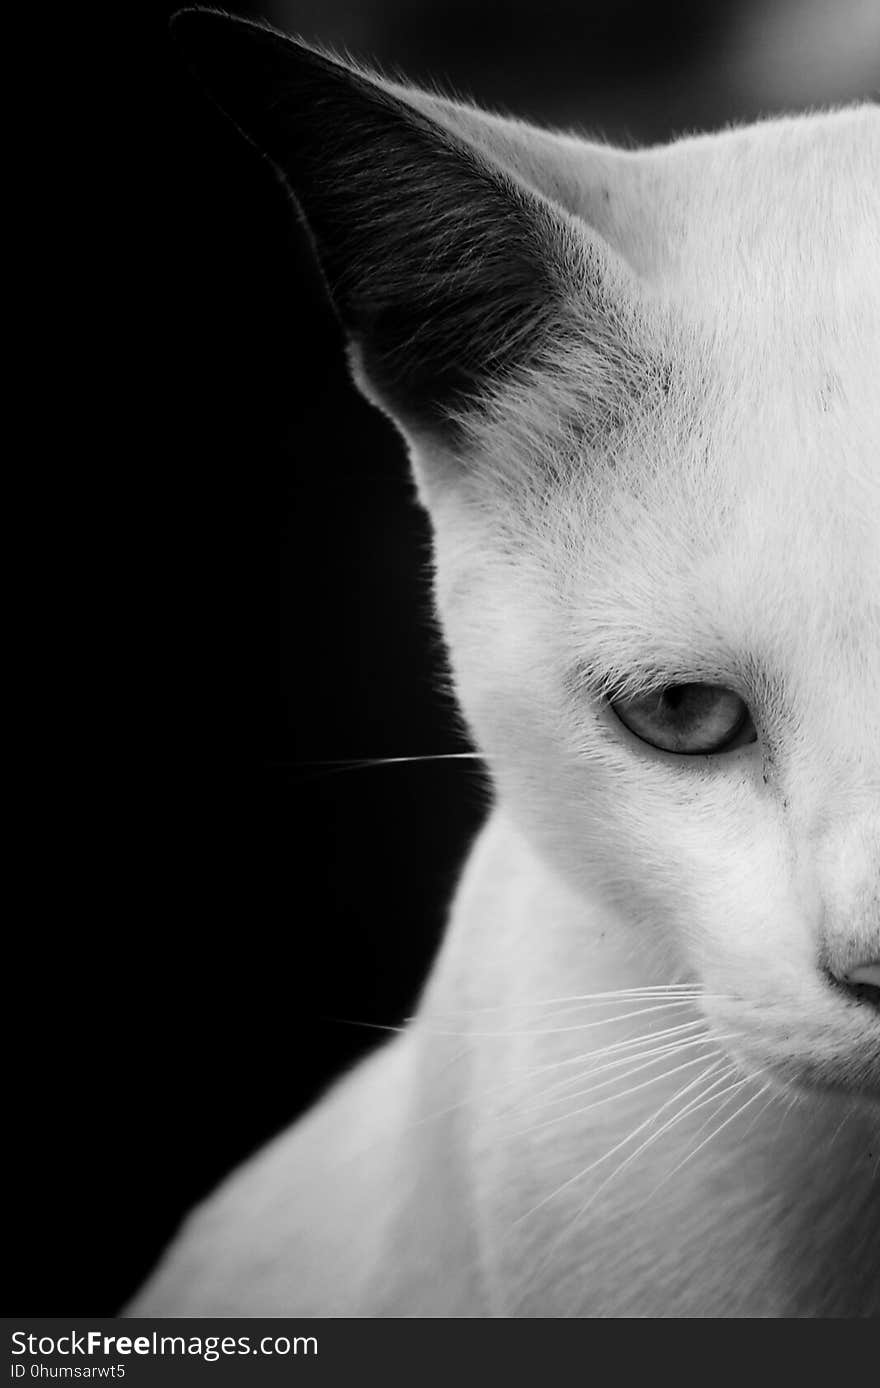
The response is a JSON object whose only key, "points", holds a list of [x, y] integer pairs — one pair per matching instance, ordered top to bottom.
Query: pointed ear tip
{"points": [[193, 21], [200, 30], [201, 33], [219, 48]]}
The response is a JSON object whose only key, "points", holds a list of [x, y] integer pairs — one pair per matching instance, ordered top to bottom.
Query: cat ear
{"points": [[446, 270]]}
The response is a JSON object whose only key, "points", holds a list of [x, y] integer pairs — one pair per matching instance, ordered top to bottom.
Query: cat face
{"points": [[639, 392], [726, 533], [755, 870]]}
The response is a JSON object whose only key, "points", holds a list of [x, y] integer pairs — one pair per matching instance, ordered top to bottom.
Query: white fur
{"points": [[728, 530]]}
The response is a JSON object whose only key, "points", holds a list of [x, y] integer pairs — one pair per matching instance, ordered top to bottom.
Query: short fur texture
{"points": [[659, 462]]}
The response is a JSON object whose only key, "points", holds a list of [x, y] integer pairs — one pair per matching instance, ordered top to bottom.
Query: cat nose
{"points": [[865, 973], [863, 981]]}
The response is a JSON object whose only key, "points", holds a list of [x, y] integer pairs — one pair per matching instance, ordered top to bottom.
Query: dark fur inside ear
{"points": [[443, 270]]}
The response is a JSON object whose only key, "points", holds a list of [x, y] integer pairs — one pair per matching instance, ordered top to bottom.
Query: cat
{"points": [[639, 392]]}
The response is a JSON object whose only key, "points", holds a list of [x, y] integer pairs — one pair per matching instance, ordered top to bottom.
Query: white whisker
{"points": [[337, 764], [659, 990], [553, 1031], [616, 1047], [623, 1051], [649, 1056], [523, 1073], [731, 1092], [774, 1095], [609, 1098], [693, 1106], [706, 1140], [578, 1175], [565, 1232]]}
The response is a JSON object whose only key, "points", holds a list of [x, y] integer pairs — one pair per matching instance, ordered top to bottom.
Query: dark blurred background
{"points": [[239, 918]]}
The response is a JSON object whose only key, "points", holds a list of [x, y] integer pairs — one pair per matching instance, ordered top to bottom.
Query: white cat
{"points": [[640, 392]]}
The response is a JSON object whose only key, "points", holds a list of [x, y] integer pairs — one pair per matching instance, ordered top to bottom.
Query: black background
{"points": [[217, 923]]}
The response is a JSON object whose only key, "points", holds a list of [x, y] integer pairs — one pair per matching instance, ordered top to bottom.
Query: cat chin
{"points": [[807, 1048], [810, 1077], [865, 1094]]}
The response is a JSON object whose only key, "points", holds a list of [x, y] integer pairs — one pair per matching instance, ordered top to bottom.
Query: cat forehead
{"points": [[800, 195], [756, 254], [758, 260], [764, 502], [737, 512]]}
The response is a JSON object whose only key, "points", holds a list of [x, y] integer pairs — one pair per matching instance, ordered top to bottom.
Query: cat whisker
{"points": [[336, 766], [679, 990], [557, 1008], [373, 1026], [396, 1028], [552, 1031], [615, 1047], [623, 1050], [602, 1053], [609, 1059], [645, 1059], [721, 1079], [731, 1092], [616, 1095], [774, 1095], [791, 1100], [693, 1106], [849, 1113], [712, 1135], [619, 1146], [585, 1171]]}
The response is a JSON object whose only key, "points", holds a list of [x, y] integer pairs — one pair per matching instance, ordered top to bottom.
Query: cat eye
{"points": [[689, 719]]}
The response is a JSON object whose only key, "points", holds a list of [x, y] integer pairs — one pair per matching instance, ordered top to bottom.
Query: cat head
{"points": [[639, 391]]}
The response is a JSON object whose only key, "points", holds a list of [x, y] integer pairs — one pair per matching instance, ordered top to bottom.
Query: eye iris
{"points": [[686, 718]]}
